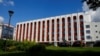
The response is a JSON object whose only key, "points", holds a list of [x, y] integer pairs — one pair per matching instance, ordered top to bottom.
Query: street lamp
{"points": [[10, 15]]}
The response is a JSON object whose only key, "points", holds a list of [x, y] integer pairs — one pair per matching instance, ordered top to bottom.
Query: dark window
{"points": [[69, 19], [95, 25], [87, 26], [88, 31], [96, 31], [96, 36], [88, 37]]}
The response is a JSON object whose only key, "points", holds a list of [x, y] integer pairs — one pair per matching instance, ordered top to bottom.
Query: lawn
{"points": [[95, 49], [58, 51]]}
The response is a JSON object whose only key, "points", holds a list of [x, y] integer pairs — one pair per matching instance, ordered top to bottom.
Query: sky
{"points": [[25, 10]]}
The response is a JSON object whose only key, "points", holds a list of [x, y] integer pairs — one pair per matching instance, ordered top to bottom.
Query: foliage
{"points": [[78, 44], [97, 44], [9, 45], [24, 45], [36, 48], [58, 51]]}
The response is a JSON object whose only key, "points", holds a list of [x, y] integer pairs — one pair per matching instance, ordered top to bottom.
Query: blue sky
{"points": [[36, 9]]}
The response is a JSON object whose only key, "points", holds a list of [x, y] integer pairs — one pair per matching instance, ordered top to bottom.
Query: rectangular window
{"points": [[95, 25], [87, 26], [88, 31], [88, 37]]}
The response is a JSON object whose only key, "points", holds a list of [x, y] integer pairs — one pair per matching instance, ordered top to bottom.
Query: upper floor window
{"points": [[81, 17], [74, 18], [69, 19], [63, 20], [95, 25], [87, 26], [88, 31], [88, 37], [97, 37]]}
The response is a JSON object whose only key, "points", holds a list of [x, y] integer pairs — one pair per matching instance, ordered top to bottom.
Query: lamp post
{"points": [[10, 15]]}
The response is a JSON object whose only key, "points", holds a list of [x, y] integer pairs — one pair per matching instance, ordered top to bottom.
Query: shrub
{"points": [[78, 44], [97, 44], [22, 46], [11, 48], [36, 48]]}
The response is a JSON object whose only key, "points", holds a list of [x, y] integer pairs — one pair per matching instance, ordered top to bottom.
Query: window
{"points": [[81, 20], [95, 25], [87, 26], [88, 31], [96, 31], [82, 36], [88, 37], [97, 37]]}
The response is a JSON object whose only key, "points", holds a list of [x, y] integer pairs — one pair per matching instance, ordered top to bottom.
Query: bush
{"points": [[4, 44], [78, 44], [97, 44], [9, 45], [23, 46], [12, 48], [36, 48]]}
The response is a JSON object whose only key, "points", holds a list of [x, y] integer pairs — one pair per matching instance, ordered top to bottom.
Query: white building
{"points": [[70, 28], [6, 31], [92, 31]]}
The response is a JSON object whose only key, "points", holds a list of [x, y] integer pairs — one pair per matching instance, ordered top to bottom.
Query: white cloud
{"points": [[1, 1], [7, 2], [11, 3], [85, 7], [95, 15], [1, 19]]}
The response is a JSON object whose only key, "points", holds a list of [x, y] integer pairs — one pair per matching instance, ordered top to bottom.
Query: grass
{"points": [[95, 49], [58, 51]]}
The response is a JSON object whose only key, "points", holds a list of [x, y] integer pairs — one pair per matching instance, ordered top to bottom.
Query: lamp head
{"points": [[10, 12]]}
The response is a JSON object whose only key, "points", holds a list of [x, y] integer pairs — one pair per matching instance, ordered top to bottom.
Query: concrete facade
{"points": [[70, 27]]}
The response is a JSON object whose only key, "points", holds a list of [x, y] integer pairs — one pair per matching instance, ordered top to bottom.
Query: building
{"points": [[70, 28], [92, 31], [6, 32], [14, 34]]}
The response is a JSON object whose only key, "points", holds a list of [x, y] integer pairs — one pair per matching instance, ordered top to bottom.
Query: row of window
{"points": [[88, 26], [89, 37]]}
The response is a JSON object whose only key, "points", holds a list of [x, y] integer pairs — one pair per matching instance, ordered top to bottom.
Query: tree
{"points": [[93, 4]]}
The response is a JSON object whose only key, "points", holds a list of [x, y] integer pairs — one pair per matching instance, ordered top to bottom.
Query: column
{"points": [[60, 22], [41, 25], [78, 27], [66, 29], [72, 29], [55, 30], [25, 31], [36, 31], [50, 31], [17, 32], [45, 32], [22, 33], [23, 37], [28, 38], [32, 39]]}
